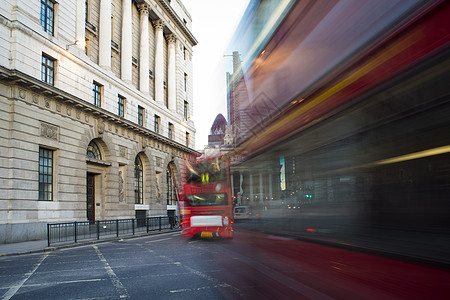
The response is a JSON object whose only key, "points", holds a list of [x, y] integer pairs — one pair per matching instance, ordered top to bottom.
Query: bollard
{"points": [[75, 231], [48, 235]]}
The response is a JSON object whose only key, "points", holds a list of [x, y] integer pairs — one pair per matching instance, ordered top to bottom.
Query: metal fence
{"points": [[79, 231]]}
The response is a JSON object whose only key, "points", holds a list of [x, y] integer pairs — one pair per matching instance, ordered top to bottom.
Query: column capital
{"points": [[143, 9], [158, 24], [171, 38]]}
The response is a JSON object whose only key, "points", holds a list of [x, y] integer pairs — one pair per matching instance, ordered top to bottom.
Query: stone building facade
{"points": [[95, 107]]}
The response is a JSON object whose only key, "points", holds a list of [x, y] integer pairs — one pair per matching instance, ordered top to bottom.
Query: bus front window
{"points": [[207, 199]]}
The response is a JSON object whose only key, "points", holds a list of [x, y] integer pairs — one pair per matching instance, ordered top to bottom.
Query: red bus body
{"points": [[207, 206]]}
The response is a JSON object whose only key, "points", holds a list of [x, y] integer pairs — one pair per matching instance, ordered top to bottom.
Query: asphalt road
{"points": [[251, 266]]}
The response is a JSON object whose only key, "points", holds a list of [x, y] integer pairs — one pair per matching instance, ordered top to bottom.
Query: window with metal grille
{"points": [[86, 10], [47, 15], [47, 69], [97, 94], [121, 106], [186, 107], [141, 114], [157, 121], [170, 135], [93, 151], [45, 174], [138, 181], [170, 192]]}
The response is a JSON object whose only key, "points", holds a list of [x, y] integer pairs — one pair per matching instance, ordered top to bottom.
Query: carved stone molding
{"points": [[143, 9], [158, 24], [172, 38], [22, 93], [35, 98], [65, 104], [100, 126], [50, 131], [123, 151], [158, 162], [121, 187]]}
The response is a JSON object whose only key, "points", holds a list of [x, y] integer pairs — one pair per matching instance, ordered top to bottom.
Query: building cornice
{"points": [[169, 10], [15, 77]]}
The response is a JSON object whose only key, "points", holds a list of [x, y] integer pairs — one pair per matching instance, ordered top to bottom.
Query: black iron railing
{"points": [[79, 231]]}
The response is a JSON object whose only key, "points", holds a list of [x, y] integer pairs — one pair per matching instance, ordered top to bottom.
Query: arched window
{"points": [[93, 151], [138, 181], [171, 200]]}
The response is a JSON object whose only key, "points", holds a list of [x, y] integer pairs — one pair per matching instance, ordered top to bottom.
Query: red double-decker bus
{"points": [[206, 200]]}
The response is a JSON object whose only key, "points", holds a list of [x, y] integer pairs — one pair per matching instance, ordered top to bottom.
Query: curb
{"points": [[86, 243]]}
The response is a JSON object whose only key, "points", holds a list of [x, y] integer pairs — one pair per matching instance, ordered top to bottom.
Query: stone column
{"points": [[80, 31], [126, 46], [104, 47], [144, 60], [159, 62], [171, 73], [241, 180], [232, 185], [251, 186], [270, 186], [261, 191]]}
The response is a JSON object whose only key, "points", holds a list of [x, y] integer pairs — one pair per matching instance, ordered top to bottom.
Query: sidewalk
{"points": [[41, 245], [24, 247]]}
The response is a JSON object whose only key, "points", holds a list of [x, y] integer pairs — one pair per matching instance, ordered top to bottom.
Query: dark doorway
{"points": [[90, 197], [171, 215], [141, 218]]}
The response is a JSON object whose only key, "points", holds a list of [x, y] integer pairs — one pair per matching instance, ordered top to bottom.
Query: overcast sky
{"points": [[213, 24]]}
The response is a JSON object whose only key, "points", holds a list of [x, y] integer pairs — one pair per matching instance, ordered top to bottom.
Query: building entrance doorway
{"points": [[90, 197]]}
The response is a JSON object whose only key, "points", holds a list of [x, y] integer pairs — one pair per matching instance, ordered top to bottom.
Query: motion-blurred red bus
{"points": [[206, 201]]}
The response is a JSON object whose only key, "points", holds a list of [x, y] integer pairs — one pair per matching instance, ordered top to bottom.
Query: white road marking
{"points": [[153, 236], [154, 241], [202, 275], [115, 280], [63, 282], [201, 288], [13, 290]]}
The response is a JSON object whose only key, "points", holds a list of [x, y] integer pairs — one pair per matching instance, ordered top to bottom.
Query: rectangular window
{"points": [[86, 10], [47, 15], [112, 30], [86, 46], [47, 69], [185, 82], [97, 90], [121, 106], [186, 107], [141, 114], [157, 122], [170, 134], [187, 139], [45, 174]]}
